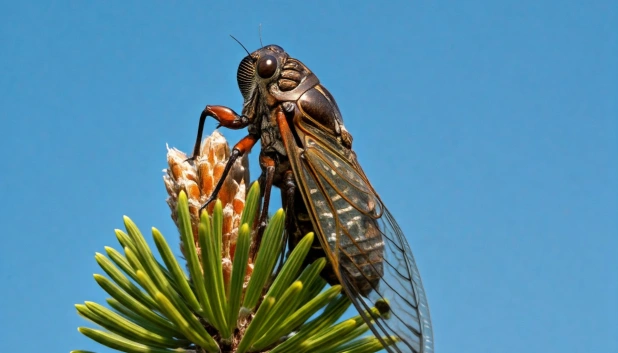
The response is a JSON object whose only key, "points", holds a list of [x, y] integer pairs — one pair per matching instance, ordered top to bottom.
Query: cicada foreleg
{"points": [[226, 118]]}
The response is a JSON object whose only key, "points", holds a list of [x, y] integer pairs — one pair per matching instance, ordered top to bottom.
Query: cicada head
{"points": [[260, 67], [257, 72]]}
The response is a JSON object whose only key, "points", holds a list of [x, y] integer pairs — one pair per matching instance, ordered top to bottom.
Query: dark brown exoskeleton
{"points": [[307, 153]]}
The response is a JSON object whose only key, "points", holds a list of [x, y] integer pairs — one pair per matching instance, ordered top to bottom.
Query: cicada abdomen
{"points": [[366, 252]]}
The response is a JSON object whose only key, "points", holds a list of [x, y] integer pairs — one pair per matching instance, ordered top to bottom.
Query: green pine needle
{"points": [[241, 257], [156, 307]]}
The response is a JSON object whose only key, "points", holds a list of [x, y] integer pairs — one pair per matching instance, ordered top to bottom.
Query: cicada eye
{"points": [[266, 66], [245, 74]]}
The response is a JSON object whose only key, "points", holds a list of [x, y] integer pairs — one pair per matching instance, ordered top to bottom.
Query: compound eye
{"points": [[266, 66]]}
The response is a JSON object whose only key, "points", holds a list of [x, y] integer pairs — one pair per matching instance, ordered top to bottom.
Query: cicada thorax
{"points": [[292, 73]]}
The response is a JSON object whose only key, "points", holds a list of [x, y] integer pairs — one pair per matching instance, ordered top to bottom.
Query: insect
{"points": [[306, 151]]}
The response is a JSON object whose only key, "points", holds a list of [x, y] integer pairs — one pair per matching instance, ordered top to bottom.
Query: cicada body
{"points": [[307, 152]]}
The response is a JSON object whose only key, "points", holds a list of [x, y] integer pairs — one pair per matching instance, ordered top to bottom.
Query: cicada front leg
{"points": [[226, 118], [231, 120]]}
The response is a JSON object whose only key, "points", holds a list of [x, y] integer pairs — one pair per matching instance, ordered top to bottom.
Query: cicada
{"points": [[306, 151]]}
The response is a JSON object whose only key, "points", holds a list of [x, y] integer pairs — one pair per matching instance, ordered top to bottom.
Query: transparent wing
{"points": [[370, 254]]}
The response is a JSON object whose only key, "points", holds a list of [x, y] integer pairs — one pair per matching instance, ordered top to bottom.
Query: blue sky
{"points": [[489, 129]]}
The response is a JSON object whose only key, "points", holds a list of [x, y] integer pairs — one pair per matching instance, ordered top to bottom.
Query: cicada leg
{"points": [[226, 118], [243, 146], [266, 184]]}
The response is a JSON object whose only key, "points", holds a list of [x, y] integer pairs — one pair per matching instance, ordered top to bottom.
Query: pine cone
{"points": [[198, 179]]}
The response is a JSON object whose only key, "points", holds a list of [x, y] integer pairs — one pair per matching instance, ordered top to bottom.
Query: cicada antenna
{"points": [[260, 30], [237, 41]]}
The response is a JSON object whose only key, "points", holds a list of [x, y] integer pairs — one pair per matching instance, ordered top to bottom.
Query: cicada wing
{"points": [[369, 252]]}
